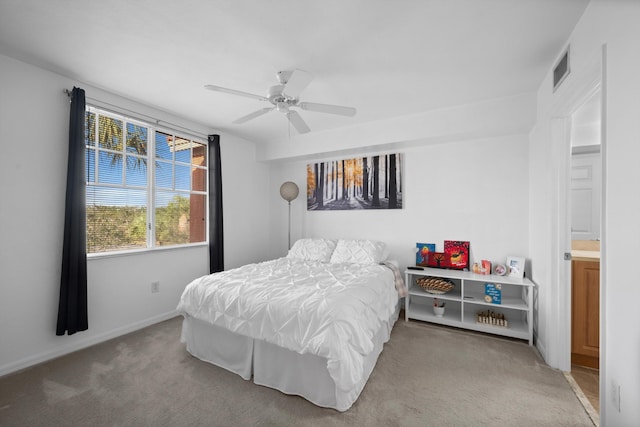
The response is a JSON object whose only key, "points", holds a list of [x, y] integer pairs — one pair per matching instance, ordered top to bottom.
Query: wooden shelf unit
{"points": [[467, 299]]}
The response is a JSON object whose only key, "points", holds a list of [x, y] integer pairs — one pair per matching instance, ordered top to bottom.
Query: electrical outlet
{"points": [[155, 287], [615, 395]]}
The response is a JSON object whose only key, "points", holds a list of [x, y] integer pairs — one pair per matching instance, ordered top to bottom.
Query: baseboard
{"points": [[79, 345], [541, 349], [592, 362]]}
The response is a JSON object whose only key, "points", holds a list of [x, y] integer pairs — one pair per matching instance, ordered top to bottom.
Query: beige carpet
{"points": [[425, 376]]}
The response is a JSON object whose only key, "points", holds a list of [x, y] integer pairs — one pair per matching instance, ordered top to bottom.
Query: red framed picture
{"points": [[457, 254], [437, 260]]}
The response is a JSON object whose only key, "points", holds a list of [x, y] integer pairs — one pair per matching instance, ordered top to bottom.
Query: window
{"points": [[146, 187]]}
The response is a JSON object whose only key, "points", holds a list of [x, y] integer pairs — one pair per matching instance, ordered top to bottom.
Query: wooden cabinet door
{"points": [[585, 313]]}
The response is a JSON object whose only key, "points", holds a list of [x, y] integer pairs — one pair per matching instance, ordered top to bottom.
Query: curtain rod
{"points": [[137, 115]]}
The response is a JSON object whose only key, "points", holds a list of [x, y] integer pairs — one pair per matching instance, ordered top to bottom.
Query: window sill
{"points": [[145, 251]]}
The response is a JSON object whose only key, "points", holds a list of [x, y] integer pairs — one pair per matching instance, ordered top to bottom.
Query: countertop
{"points": [[585, 250], [582, 255]]}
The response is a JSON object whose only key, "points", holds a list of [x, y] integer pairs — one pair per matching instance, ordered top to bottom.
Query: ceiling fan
{"points": [[284, 96]]}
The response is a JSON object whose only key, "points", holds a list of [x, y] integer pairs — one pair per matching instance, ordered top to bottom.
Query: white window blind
{"points": [[146, 187]]}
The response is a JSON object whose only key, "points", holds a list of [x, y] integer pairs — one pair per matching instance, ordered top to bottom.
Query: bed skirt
{"points": [[272, 366]]}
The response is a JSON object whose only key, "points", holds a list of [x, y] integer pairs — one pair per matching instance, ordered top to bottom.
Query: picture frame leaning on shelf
{"points": [[515, 266]]}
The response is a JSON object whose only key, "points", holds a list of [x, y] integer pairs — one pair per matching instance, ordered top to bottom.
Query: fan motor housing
{"points": [[277, 97]]}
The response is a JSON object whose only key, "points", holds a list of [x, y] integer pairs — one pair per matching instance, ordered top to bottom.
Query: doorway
{"points": [[586, 81], [585, 208]]}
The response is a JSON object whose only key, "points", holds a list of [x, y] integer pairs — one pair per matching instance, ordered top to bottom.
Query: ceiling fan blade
{"points": [[296, 83], [235, 92], [327, 108], [252, 115], [297, 122]]}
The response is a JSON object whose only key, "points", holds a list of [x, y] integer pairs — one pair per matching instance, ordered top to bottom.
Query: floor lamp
{"points": [[289, 191]]}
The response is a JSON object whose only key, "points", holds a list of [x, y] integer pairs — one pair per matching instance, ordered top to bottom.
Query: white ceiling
{"points": [[386, 58]]}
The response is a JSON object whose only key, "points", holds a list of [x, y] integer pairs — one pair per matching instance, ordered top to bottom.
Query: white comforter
{"points": [[330, 310]]}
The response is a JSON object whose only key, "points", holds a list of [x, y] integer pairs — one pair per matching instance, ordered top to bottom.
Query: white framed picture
{"points": [[515, 266]]}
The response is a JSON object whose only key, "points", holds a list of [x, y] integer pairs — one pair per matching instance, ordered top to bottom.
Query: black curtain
{"points": [[216, 238], [72, 307]]}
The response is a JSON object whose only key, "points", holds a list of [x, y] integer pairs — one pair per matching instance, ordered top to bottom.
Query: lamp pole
{"points": [[289, 224]]}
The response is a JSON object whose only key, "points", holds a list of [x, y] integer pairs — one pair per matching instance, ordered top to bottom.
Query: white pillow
{"points": [[312, 250], [360, 252]]}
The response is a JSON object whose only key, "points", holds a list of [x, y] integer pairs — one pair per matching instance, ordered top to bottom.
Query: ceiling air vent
{"points": [[561, 70]]}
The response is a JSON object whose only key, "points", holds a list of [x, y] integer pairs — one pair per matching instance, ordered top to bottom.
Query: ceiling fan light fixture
{"points": [[282, 106]]}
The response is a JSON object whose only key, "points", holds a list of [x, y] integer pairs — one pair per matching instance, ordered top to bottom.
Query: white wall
{"points": [[614, 24], [34, 117], [495, 117], [585, 122], [465, 178], [473, 190]]}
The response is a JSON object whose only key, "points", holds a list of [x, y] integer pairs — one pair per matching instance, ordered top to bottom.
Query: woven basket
{"points": [[435, 285]]}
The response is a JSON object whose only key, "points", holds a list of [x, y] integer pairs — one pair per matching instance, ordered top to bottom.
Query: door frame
{"points": [[569, 98]]}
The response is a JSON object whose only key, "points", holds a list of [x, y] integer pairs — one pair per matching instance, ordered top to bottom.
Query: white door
{"points": [[586, 178]]}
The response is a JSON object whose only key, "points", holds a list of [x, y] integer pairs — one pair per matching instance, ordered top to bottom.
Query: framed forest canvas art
{"points": [[373, 182]]}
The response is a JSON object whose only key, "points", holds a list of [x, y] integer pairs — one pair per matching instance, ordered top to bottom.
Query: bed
{"points": [[311, 324]]}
